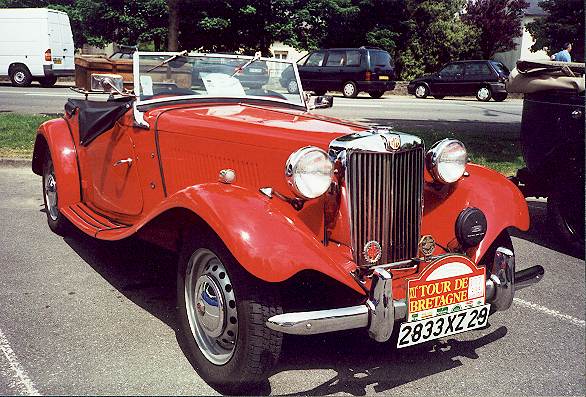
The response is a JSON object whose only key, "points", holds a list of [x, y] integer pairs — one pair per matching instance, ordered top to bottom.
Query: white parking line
{"points": [[551, 312], [21, 382]]}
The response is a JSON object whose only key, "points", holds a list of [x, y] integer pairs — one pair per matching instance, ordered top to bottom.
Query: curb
{"points": [[7, 162]]}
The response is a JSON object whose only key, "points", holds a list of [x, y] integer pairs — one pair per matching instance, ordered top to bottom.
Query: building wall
{"points": [[284, 51], [522, 51]]}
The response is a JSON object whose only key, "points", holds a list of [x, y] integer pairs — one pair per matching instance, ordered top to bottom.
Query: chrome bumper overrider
{"points": [[380, 311]]}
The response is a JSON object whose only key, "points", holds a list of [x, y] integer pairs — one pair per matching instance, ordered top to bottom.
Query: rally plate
{"points": [[413, 333]]}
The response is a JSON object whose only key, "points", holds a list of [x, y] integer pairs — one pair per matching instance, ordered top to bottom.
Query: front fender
{"points": [[60, 145], [500, 200], [265, 235]]}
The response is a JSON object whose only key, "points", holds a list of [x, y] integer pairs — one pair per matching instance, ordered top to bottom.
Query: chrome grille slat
{"points": [[385, 193]]}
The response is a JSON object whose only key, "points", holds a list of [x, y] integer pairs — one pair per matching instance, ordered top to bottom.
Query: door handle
{"points": [[576, 114], [123, 161]]}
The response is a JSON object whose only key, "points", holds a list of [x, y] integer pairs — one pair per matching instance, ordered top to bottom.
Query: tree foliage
{"points": [[499, 22], [563, 22], [421, 35]]}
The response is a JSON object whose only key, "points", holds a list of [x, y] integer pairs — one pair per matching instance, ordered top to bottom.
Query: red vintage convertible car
{"points": [[286, 222]]}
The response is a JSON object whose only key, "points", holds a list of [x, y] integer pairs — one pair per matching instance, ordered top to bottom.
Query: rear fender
{"points": [[55, 136], [501, 201], [265, 235]]}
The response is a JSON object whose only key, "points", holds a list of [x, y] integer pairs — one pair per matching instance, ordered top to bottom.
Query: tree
{"points": [[563, 22], [499, 23], [434, 34]]}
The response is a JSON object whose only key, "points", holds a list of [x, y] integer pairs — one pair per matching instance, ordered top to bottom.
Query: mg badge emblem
{"points": [[392, 142], [372, 251]]}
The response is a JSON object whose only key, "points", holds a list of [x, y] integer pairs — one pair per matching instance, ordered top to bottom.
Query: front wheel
{"points": [[20, 76], [350, 90], [421, 91], [483, 94], [565, 212], [58, 223], [222, 314]]}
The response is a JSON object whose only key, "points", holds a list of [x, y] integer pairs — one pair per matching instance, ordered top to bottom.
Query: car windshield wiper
{"points": [[257, 56], [166, 61]]}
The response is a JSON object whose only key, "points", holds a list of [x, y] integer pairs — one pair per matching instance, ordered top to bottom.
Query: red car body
{"points": [[255, 142], [161, 180]]}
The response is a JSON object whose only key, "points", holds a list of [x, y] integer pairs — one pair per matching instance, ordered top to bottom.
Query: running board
{"points": [[90, 222]]}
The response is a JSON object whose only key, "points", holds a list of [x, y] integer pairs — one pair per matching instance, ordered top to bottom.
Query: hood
{"points": [[424, 77], [262, 126]]}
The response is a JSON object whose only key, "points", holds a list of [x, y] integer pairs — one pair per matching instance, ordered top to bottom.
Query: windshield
{"points": [[160, 76]]}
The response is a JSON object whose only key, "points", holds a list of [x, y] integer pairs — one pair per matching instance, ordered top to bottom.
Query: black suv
{"points": [[350, 70], [485, 79]]}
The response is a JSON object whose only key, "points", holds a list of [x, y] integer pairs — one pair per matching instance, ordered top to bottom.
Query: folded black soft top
{"points": [[96, 117]]}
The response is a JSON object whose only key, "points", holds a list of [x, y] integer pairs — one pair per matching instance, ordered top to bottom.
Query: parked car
{"points": [[35, 44], [349, 70], [255, 75], [485, 79], [552, 139], [285, 222]]}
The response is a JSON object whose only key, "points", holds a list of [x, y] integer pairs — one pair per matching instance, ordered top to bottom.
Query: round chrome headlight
{"points": [[446, 160], [309, 172]]}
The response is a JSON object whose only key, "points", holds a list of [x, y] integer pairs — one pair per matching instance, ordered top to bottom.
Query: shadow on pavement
{"points": [[35, 84], [143, 273], [360, 362]]}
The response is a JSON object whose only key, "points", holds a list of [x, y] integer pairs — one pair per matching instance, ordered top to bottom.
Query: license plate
{"points": [[57, 61], [253, 70], [383, 77], [432, 328]]}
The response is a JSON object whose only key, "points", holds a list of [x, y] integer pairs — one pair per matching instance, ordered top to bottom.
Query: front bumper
{"points": [[380, 312]]}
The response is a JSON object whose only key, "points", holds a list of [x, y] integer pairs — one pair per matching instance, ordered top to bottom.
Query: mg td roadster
{"points": [[284, 221]]}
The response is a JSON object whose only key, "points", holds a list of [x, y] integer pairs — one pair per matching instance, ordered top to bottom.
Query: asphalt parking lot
{"points": [[80, 316]]}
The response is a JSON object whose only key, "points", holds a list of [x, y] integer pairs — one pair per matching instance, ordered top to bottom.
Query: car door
{"points": [[310, 72], [334, 73], [475, 75], [449, 80], [110, 174]]}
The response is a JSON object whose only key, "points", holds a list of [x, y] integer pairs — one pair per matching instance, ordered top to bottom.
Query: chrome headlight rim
{"points": [[433, 157], [291, 170]]}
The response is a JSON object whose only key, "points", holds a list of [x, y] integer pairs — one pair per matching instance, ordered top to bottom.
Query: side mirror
{"points": [[107, 83], [321, 102]]}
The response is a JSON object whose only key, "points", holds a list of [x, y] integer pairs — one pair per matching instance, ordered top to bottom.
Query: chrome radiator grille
{"points": [[385, 202]]}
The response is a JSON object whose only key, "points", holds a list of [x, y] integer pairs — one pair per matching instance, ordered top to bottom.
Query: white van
{"points": [[35, 44]]}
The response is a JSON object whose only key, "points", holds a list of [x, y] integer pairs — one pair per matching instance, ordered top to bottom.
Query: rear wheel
{"points": [[20, 76], [47, 81], [292, 87], [350, 90], [421, 91], [376, 94], [484, 94], [58, 223], [222, 314]]}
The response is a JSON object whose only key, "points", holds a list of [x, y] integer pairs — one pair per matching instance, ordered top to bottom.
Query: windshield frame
{"points": [[199, 98]]}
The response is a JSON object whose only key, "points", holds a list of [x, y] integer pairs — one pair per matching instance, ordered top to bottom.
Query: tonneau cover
{"points": [[531, 76], [96, 117]]}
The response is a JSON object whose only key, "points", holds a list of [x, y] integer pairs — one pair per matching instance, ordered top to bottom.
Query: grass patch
{"points": [[18, 132], [497, 146]]}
